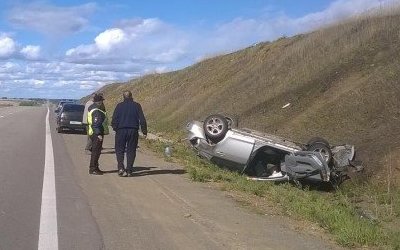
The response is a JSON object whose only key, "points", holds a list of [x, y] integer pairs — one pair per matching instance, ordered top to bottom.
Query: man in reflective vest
{"points": [[89, 103], [98, 127], [88, 147]]}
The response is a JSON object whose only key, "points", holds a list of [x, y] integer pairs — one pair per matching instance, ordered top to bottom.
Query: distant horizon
{"points": [[34, 98]]}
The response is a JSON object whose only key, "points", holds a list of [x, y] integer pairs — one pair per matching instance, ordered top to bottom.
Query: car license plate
{"points": [[74, 122]]}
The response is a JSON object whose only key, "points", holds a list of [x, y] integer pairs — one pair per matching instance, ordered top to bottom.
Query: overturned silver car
{"points": [[268, 157]]}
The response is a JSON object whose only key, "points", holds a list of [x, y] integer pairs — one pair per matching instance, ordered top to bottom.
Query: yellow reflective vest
{"points": [[90, 121]]}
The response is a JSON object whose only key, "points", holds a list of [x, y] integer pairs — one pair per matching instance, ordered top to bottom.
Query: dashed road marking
{"points": [[48, 232]]}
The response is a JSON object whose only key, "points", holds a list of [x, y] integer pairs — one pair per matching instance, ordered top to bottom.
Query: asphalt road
{"points": [[22, 160], [159, 208]]}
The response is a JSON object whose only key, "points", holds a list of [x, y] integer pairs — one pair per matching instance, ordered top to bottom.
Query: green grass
{"points": [[335, 212]]}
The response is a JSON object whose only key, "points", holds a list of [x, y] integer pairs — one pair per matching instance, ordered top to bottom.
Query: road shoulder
{"points": [[161, 208]]}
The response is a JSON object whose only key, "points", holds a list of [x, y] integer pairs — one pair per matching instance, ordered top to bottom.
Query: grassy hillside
{"points": [[343, 83]]}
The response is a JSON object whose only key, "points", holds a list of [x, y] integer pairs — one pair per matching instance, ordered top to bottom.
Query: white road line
{"points": [[1, 116], [48, 233]]}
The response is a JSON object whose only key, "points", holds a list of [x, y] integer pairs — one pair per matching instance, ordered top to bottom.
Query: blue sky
{"points": [[70, 48]]}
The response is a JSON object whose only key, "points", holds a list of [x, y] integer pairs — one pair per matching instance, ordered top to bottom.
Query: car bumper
{"points": [[72, 125]]}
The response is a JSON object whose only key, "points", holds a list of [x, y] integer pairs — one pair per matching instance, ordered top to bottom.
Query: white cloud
{"points": [[337, 10], [51, 20], [108, 39], [142, 40], [7, 46], [31, 52], [9, 68], [60, 77], [37, 83], [61, 84], [86, 86]]}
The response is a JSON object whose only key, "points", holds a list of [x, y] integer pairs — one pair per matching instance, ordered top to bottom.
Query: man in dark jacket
{"points": [[127, 117], [98, 127]]}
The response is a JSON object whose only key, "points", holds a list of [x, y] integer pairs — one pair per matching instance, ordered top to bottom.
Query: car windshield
{"points": [[73, 108]]}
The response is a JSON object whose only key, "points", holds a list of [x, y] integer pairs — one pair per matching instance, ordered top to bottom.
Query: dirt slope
{"points": [[342, 83]]}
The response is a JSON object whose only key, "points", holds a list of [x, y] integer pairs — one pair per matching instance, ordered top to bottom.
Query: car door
{"points": [[235, 147], [304, 164]]}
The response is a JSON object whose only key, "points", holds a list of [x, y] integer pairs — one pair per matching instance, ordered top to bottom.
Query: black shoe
{"points": [[95, 172], [121, 173]]}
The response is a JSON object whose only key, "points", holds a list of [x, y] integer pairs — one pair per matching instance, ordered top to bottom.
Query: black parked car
{"points": [[60, 104], [70, 117]]}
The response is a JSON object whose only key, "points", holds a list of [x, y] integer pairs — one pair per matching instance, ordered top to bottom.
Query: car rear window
{"points": [[63, 103], [73, 108]]}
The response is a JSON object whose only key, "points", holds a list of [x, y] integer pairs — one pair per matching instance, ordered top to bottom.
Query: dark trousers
{"points": [[89, 140], [126, 140], [89, 143], [96, 152]]}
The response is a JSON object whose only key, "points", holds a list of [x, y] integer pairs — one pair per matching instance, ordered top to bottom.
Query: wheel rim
{"points": [[215, 126], [323, 152]]}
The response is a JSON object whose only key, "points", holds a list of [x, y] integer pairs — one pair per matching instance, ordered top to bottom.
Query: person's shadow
{"points": [[111, 150], [109, 171], [144, 171]]}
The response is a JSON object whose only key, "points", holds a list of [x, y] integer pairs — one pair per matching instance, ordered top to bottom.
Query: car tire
{"points": [[215, 127], [59, 130], [321, 146]]}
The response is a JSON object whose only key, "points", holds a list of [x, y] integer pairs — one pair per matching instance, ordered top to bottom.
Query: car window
{"points": [[64, 102], [73, 108]]}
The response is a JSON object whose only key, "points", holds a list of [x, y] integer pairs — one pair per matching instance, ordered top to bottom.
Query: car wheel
{"points": [[215, 127], [321, 146]]}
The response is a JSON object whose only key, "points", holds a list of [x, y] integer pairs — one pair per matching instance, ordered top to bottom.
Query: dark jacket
{"points": [[129, 114], [98, 118]]}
